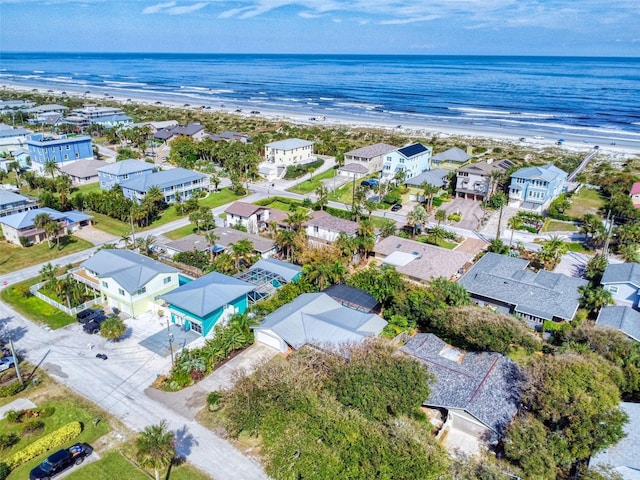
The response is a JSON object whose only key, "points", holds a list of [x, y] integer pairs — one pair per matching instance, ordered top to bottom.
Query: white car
{"points": [[6, 363]]}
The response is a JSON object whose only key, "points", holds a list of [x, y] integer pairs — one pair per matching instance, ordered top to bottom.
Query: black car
{"points": [[372, 182], [396, 207], [89, 314], [94, 325], [60, 461]]}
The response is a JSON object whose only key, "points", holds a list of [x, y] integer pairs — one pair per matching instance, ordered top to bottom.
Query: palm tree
{"points": [[51, 167], [215, 180], [429, 191], [322, 193], [440, 215], [417, 216], [196, 218], [296, 218], [40, 221], [514, 224], [53, 228], [388, 228], [437, 235], [211, 239], [285, 240], [144, 244], [241, 249], [553, 249], [629, 253], [48, 273], [594, 298], [156, 447]]}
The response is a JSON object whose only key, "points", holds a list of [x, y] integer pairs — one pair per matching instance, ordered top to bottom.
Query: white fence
{"points": [[35, 291]]}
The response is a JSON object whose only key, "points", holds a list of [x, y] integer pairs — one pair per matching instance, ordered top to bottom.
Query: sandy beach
{"points": [[618, 150]]}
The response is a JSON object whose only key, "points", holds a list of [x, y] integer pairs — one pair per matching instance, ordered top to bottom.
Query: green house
{"points": [[200, 304]]}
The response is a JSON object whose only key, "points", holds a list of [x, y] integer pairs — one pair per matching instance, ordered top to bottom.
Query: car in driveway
{"points": [[371, 182], [396, 207], [89, 314], [93, 326], [6, 363], [59, 461]]}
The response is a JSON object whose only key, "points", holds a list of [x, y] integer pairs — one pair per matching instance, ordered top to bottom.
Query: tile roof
{"points": [[289, 144], [412, 150], [371, 151], [454, 154], [125, 167], [83, 168], [433, 177], [162, 179], [243, 209], [26, 219], [329, 222], [421, 261], [131, 270], [622, 273], [506, 279], [207, 294], [316, 318], [625, 319], [484, 384]]}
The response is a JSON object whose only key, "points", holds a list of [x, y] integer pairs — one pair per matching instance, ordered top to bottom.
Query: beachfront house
{"points": [[154, 127], [194, 131], [228, 136], [12, 138], [62, 149], [289, 152], [369, 157], [451, 158], [406, 162], [83, 172], [117, 173], [477, 180], [176, 181], [534, 188], [635, 194], [11, 203], [252, 217], [20, 228], [126, 280], [622, 280], [506, 284], [200, 304], [316, 319], [475, 395]]}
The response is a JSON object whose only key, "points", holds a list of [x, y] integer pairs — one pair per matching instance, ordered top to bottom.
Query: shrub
{"points": [[437, 201], [454, 217], [11, 389], [14, 416], [36, 426], [59, 437], [8, 440], [4, 471]]}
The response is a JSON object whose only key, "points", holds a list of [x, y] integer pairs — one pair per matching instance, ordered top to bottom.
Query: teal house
{"points": [[200, 304]]}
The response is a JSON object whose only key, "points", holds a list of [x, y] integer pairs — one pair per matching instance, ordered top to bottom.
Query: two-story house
{"points": [[194, 131], [12, 138], [61, 149], [289, 152], [369, 157], [411, 160], [117, 173], [176, 181], [475, 181], [534, 188], [11, 203], [253, 217], [323, 228], [21, 229], [127, 280]]}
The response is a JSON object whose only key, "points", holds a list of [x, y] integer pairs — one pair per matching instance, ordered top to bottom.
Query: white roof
{"points": [[289, 144]]}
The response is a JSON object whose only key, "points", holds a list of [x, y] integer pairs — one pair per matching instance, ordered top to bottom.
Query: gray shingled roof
{"points": [[289, 144], [371, 151], [454, 154], [125, 167], [83, 168], [354, 168], [484, 168], [433, 177], [243, 209], [131, 270], [622, 273], [506, 279], [207, 294], [316, 318], [625, 319], [484, 384], [623, 456]]}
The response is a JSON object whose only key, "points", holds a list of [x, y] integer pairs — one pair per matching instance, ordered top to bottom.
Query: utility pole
{"points": [[605, 249], [170, 343], [15, 360]]}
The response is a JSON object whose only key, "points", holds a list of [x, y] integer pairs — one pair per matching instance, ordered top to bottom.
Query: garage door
{"points": [[270, 339]]}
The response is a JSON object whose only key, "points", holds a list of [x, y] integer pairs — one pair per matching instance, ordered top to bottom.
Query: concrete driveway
{"points": [[470, 210]]}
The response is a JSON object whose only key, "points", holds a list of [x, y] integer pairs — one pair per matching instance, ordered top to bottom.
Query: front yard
{"points": [[310, 185], [585, 201], [14, 257]]}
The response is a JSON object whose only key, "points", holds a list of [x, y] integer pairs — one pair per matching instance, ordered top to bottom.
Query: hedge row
{"points": [[56, 438]]}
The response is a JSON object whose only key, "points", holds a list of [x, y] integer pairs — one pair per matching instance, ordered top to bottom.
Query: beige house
{"points": [[289, 152], [369, 157], [20, 228]]}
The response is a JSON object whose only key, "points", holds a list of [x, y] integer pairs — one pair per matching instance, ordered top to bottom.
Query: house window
{"points": [[68, 147], [77, 155], [66, 157], [316, 229], [166, 280], [105, 284], [613, 289], [142, 291], [121, 292], [196, 326]]}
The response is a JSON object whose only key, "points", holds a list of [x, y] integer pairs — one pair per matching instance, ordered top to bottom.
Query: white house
{"points": [[289, 152], [412, 160], [253, 217], [323, 228]]}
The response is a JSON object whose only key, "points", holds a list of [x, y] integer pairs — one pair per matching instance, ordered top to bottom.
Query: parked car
{"points": [[371, 182], [396, 207], [89, 314], [94, 325], [6, 363], [61, 460]]}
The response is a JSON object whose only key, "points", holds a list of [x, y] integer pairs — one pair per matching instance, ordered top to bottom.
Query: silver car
{"points": [[6, 363]]}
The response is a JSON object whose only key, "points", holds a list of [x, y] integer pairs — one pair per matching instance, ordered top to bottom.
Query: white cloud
{"points": [[158, 8], [172, 8]]}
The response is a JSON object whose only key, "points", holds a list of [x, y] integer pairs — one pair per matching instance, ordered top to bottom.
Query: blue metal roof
{"points": [[125, 167], [162, 179], [26, 219]]}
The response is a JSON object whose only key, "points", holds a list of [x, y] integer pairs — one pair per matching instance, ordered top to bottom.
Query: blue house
{"points": [[62, 149], [412, 160], [119, 172], [176, 181], [534, 188], [200, 304]]}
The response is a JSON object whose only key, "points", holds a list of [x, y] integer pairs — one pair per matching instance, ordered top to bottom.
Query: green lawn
{"points": [[313, 183], [87, 188], [343, 194], [222, 197], [585, 201], [110, 225], [558, 226], [181, 232], [14, 257], [32, 307], [64, 411], [114, 465]]}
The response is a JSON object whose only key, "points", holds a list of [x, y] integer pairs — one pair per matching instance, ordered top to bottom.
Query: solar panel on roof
{"points": [[412, 150], [353, 296]]}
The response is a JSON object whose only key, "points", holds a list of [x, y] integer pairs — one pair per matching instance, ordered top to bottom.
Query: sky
{"points": [[432, 27]]}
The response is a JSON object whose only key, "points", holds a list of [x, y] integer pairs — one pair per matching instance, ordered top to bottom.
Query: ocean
{"points": [[574, 97]]}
